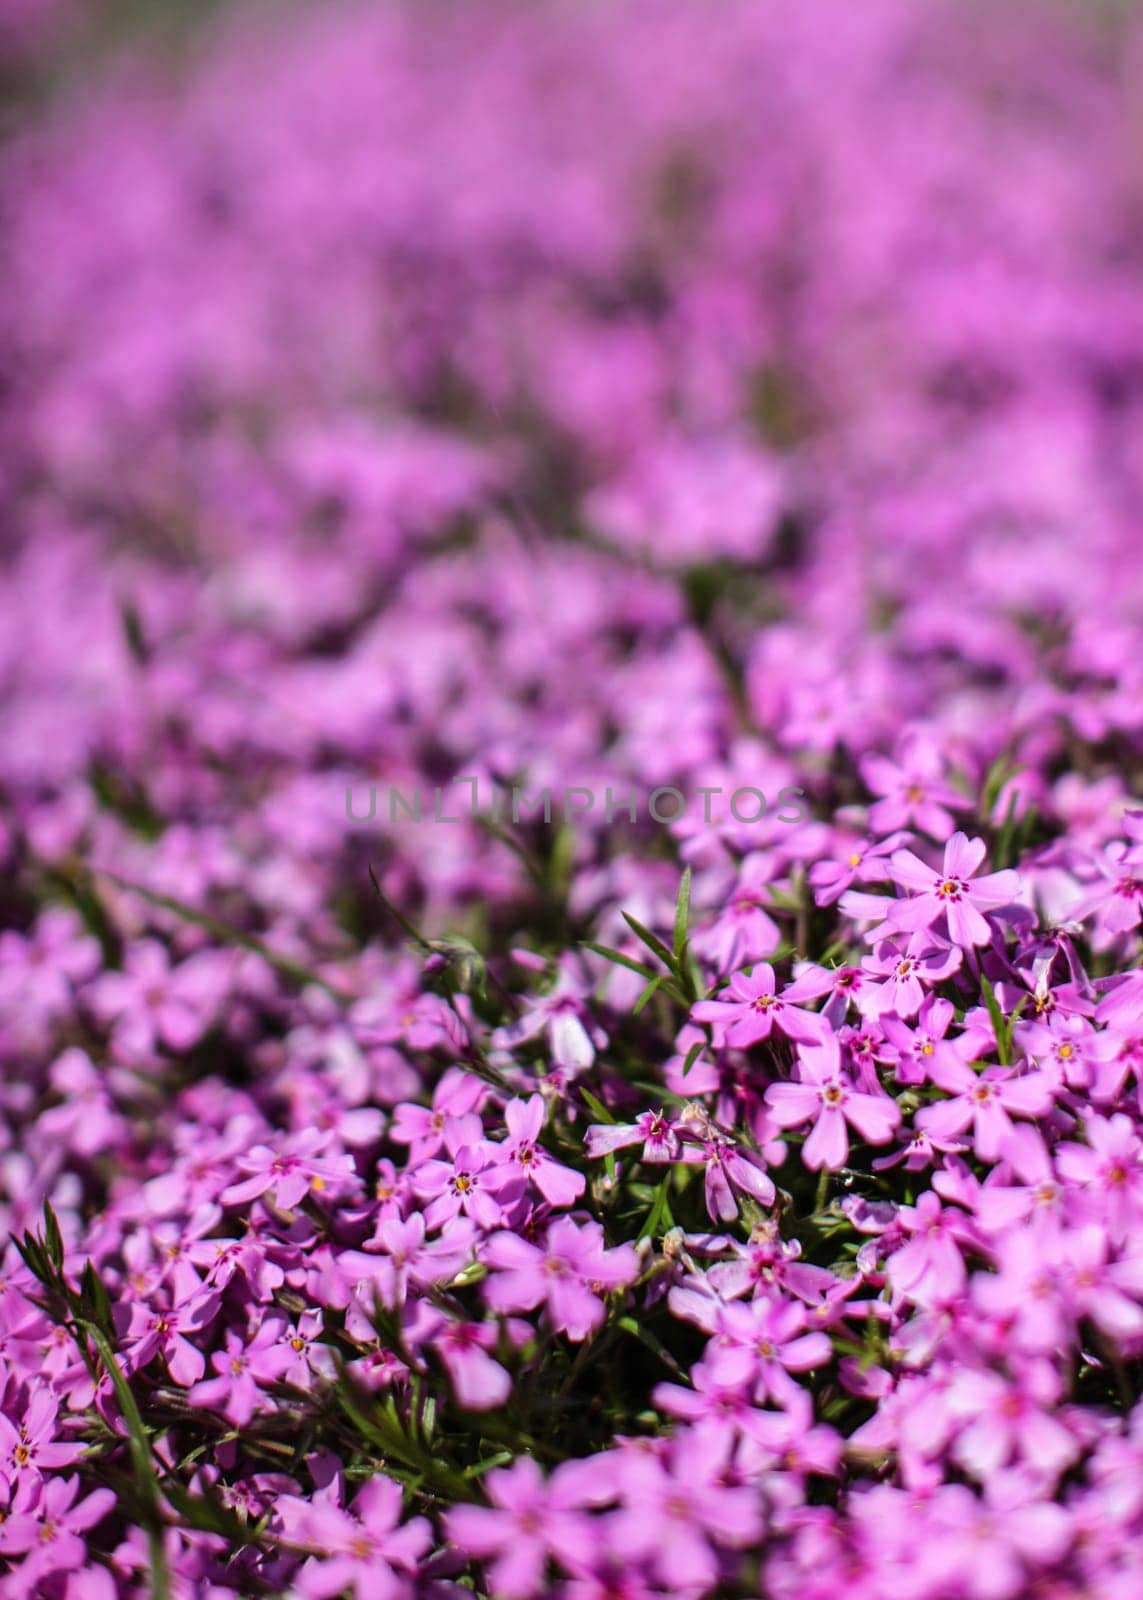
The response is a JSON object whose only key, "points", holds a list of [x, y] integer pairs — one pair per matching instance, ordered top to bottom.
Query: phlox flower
{"points": [[913, 790], [857, 860], [954, 893], [907, 969], [750, 1008], [560, 1014], [824, 1095], [986, 1101], [422, 1127], [657, 1135], [522, 1157], [299, 1167], [728, 1170], [1107, 1170], [459, 1184], [929, 1268], [567, 1273], [165, 1332], [758, 1342], [244, 1367], [32, 1446], [676, 1509], [529, 1520], [50, 1538], [365, 1550]]}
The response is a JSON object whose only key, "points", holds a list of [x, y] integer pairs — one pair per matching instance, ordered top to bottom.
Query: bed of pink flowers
{"points": [[732, 1184]]}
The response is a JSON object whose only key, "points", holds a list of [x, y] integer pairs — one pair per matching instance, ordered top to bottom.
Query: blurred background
{"points": [[552, 391]]}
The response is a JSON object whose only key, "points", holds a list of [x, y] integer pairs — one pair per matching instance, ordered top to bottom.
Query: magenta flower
{"points": [[913, 792], [858, 861], [954, 892], [743, 931], [908, 970], [153, 1004], [750, 1009], [562, 1015], [916, 1051], [824, 1095], [986, 1101], [422, 1127], [657, 1135], [521, 1156], [299, 1168], [728, 1170], [1107, 1170], [460, 1184], [929, 1268], [568, 1273], [165, 1333], [759, 1342], [244, 1367], [479, 1382], [33, 1447], [676, 1511], [528, 1521], [50, 1537], [991, 1547], [366, 1550]]}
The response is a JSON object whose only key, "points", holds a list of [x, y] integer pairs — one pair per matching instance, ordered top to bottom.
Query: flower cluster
{"points": [[593, 399]]}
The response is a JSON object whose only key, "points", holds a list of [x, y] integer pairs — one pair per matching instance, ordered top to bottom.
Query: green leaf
{"points": [[682, 914], [656, 946], [617, 958], [294, 970], [648, 993], [1000, 1026], [693, 1054], [597, 1107], [659, 1218], [53, 1239], [94, 1303], [646, 1337], [139, 1446]]}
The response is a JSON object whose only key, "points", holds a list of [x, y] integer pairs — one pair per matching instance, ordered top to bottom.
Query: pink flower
{"points": [[913, 792], [858, 861], [953, 893], [908, 969], [153, 1004], [751, 1009], [560, 1014], [983, 1100], [831, 1101], [422, 1127], [657, 1135], [521, 1156], [1109, 1167], [729, 1170], [290, 1173], [461, 1183], [930, 1268], [568, 1273], [164, 1332], [759, 1342], [244, 1368], [479, 1382], [32, 1446], [676, 1510], [528, 1521], [50, 1538], [989, 1548], [364, 1549]]}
